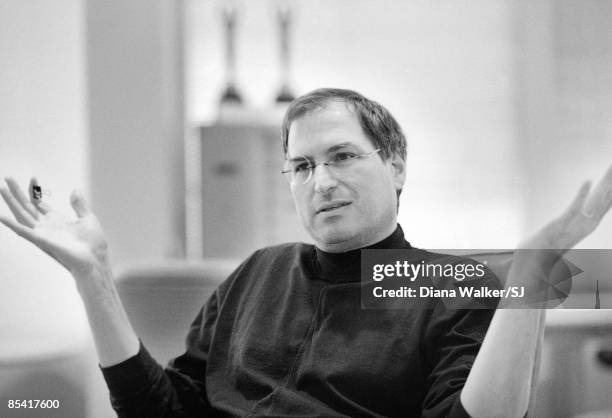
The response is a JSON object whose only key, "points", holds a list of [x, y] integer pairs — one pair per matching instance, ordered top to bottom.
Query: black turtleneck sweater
{"points": [[285, 335]]}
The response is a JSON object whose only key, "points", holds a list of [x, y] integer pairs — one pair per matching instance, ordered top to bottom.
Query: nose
{"points": [[323, 178]]}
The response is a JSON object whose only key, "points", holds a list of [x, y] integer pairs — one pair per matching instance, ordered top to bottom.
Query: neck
{"points": [[355, 243], [345, 266]]}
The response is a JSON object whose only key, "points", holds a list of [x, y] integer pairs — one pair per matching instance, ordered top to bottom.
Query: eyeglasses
{"points": [[300, 171]]}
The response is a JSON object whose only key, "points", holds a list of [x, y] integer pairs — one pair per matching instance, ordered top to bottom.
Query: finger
{"points": [[21, 198], [600, 200], [578, 203], [39, 204], [78, 204], [575, 208], [22, 216], [568, 229], [22, 231], [29, 235]]}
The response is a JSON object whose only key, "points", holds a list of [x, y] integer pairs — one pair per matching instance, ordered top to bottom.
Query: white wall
{"points": [[565, 97], [136, 119], [43, 132]]}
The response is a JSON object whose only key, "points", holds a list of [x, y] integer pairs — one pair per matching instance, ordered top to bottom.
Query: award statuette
{"points": [[284, 20], [231, 93]]}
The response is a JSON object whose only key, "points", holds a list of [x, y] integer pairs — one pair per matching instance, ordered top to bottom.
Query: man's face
{"points": [[348, 208]]}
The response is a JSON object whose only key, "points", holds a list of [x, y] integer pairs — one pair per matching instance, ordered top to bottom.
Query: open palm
{"points": [[581, 218], [78, 243], [536, 258]]}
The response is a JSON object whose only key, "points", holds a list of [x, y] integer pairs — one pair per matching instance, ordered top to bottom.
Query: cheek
{"points": [[380, 196]]}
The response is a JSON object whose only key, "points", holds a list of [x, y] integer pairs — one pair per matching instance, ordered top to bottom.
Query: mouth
{"points": [[330, 207]]}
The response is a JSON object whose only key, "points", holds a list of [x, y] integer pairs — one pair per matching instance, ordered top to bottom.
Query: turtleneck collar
{"points": [[345, 267]]}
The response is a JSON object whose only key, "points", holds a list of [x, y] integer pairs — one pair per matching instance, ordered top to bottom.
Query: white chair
{"points": [[163, 297]]}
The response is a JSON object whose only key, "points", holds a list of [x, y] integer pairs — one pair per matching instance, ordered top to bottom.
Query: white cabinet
{"points": [[246, 202]]}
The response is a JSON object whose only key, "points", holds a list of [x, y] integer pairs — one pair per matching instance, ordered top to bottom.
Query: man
{"points": [[285, 334]]}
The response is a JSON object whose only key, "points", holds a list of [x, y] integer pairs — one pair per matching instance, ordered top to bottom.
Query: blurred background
{"points": [[167, 115]]}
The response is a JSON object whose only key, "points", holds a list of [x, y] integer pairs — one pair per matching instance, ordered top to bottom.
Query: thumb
{"points": [[79, 204]]}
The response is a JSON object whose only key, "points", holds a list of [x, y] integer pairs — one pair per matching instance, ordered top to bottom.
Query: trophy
{"points": [[284, 20], [231, 95]]}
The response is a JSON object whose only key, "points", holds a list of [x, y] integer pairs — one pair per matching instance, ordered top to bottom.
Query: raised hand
{"points": [[580, 219], [77, 243], [540, 271]]}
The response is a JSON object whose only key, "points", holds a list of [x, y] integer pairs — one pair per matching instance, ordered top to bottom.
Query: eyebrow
{"points": [[330, 149]]}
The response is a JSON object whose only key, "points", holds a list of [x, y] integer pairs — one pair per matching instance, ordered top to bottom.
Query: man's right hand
{"points": [[76, 243]]}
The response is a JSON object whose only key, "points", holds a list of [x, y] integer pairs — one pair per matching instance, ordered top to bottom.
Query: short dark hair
{"points": [[376, 121]]}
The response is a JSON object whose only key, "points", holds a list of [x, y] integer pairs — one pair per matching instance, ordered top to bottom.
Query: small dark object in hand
{"points": [[36, 192]]}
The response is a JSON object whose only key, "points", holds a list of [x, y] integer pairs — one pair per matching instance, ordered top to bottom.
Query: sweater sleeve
{"points": [[139, 386]]}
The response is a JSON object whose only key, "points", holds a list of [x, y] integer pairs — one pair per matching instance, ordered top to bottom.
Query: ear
{"points": [[398, 171]]}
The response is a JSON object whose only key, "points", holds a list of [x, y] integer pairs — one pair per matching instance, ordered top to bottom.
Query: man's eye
{"points": [[343, 156], [302, 167]]}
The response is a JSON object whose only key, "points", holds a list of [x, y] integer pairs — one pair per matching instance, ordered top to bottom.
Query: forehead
{"points": [[317, 131]]}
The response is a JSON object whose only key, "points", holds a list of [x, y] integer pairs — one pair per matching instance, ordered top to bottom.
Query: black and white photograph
{"points": [[306, 208]]}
